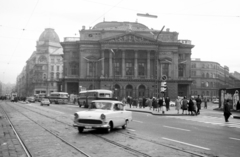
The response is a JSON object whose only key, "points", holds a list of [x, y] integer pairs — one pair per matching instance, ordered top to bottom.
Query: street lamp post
{"points": [[94, 68], [113, 68], [157, 80]]}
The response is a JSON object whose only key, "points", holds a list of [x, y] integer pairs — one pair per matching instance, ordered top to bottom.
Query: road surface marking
{"points": [[138, 121], [176, 128], [131, 130], [234, 138], [185, 143]]}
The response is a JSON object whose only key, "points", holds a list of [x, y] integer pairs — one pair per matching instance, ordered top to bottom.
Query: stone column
{"points": [[79, 61], [102, 62], [123, 63], [135, 63], [110, 64], [148, 64], [87, 68], [65, 87]]}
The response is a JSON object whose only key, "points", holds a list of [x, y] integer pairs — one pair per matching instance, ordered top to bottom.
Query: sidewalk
{"points": [[171, 112], [236, 114], [9, 144]]}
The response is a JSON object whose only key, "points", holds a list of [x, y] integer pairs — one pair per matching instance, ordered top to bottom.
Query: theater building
{"points": [[129, 58]]}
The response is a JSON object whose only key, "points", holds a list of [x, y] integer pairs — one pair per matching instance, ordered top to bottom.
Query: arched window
{"points": [[42, 59], [73, 68], [207, 75], [129, 90], [141, 91]]}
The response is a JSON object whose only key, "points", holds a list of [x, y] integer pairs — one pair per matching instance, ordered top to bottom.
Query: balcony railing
{"points": [[71, 39], [185, 42]]}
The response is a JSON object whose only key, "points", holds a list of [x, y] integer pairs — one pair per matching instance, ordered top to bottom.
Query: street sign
{"points": [[164, 77]]}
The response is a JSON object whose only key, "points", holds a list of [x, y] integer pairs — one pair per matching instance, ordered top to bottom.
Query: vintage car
{"points": [[31, 99], [45, 101], [102, 114]]}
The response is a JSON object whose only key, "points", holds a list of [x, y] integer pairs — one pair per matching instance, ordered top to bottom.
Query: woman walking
{"points": [[177, 104], [184, 105], [226, 110]]}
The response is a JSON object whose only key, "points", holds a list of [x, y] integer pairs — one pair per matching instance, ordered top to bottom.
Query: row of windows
{"points": [[58, 60], [207, 66], [52, 68], [129, 69], [206, 75], [207, 84], [205, 93]]}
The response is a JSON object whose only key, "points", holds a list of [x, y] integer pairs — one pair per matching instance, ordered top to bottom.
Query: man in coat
{"points": [[167, 101], [199, 101], [226, 110]]}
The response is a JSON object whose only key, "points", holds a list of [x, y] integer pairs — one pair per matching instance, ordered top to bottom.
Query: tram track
{"points": [[122, 146], [28, 154]]}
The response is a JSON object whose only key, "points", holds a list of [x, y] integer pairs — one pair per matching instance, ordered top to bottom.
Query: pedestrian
{"points": [[124, 100], [129, 101], [140, 101], [167, 101], [199, 101], [135, 102], [144, 102], [149, 103], [160, 103], [205, 103], [154, 104], [177, 104], [238, 105], [184, 106], [192, 106], [226, 110]]}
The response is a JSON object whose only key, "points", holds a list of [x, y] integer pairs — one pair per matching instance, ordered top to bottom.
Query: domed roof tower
{"points": [[49, 35]]}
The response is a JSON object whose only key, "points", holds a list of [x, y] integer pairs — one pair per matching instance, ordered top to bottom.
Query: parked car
{"points": [[31, 99], [45, 101], [216, 101], [172, 103], [102, 114]]}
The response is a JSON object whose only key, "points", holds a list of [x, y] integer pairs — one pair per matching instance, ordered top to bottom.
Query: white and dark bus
{"points": [[86, 97], [58, 98]]}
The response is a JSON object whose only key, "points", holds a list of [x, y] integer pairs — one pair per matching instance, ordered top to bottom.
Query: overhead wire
{"points": [[21, 35]]}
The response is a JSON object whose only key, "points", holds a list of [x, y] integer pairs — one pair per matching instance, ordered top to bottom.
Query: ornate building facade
{"points": [[128, 58], [45, 66], [208, 77]]}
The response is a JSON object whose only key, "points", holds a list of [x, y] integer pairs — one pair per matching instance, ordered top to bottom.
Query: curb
{"points": [[158, 114], [236, 117]]}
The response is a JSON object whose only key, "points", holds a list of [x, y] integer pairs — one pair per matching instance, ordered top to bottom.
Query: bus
{"points": [[86, 97], [58, 98]]}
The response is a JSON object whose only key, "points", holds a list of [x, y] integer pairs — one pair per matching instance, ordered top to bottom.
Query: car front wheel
{"points": [[125, 125], [109, 128], [80, 129]]}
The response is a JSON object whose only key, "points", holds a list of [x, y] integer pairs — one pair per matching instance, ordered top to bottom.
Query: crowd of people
{"points": [[162, 104]]}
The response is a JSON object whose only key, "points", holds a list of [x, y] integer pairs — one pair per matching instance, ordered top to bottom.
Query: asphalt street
{"points": [[206, 132]]}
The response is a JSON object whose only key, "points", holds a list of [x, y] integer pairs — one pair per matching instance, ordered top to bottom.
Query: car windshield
{"points": [[100, 105]]}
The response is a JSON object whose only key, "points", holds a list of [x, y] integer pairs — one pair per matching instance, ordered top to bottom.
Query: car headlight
{"points": [[76, 116], [103, 116]]}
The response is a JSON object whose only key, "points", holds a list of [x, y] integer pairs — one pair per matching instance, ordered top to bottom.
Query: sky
{"points": [[213, 26]]}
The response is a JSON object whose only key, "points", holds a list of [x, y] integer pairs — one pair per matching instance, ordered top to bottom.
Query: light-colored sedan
{"points": [[45, 101], [102, 114]]}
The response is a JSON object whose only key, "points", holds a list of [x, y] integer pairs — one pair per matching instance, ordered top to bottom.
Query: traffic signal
{"points": [[163, 86]]}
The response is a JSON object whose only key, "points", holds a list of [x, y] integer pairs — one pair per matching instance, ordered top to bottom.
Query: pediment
{"points": [[131, 38]]}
